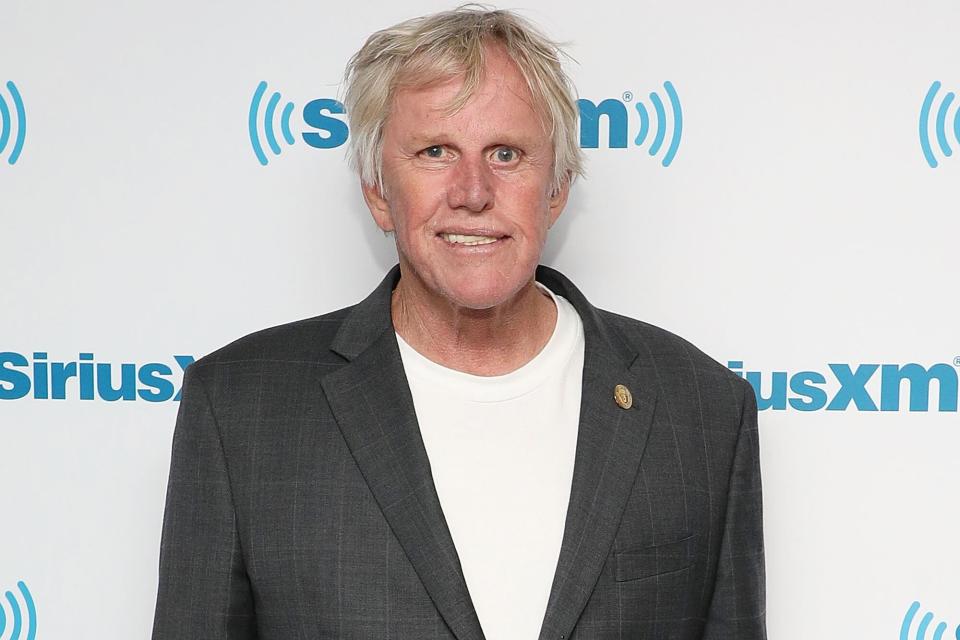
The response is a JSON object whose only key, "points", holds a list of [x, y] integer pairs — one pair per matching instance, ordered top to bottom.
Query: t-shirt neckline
{"points": [[550, 362]]}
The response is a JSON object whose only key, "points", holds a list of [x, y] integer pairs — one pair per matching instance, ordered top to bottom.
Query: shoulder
{"points": [[300, 342], [678, 364], [679, 368]]}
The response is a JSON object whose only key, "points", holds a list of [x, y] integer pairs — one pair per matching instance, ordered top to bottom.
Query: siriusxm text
{"points": [[331, 131], [40, 378], [860, 387]]}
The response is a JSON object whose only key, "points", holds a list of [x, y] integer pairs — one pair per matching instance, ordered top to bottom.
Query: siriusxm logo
{"points": [[939, 122], [262, 123], [269, 123], [618, 123], [13, 124], [86, 379], [858, 386], [22, 619], [923, 626]]}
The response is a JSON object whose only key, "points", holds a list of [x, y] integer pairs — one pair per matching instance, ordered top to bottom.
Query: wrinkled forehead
{"points": [[494, 65]]}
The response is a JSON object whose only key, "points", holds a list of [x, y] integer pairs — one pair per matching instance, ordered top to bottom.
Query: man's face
{"points": [[468, 195]]}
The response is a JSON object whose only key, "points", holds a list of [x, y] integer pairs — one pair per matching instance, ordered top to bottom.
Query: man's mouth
{"points": [[457, 238]]}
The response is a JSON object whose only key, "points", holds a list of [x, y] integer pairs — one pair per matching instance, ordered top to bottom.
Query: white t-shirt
{"points": [[501, 450]]}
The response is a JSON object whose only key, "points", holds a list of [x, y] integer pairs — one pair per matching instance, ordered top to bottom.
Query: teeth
{"points": [[468, 240]]}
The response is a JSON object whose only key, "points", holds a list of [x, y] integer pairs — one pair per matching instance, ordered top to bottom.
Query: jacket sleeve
{"points": [[204, 591], [738, 608]]}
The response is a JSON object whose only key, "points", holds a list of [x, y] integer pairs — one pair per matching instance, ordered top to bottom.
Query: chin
{"points": [[474, 294]]}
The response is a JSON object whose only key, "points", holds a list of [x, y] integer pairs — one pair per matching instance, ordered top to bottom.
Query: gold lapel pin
{"points": [[623, 396]]}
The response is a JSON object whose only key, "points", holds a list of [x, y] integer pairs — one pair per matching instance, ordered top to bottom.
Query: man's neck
{"points": [[483, 342]]}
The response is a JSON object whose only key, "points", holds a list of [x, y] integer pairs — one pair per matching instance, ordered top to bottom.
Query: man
{"points": [[473, 450]]}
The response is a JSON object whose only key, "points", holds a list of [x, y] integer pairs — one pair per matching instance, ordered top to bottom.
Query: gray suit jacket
{"points": [[301, 504]]}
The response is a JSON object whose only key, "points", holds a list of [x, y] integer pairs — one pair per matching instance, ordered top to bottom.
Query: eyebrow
{"points": [[442, 137], [425, 139]]}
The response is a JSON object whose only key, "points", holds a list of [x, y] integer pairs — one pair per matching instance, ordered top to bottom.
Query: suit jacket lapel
{"points": [[371, 402], [610, 444]]}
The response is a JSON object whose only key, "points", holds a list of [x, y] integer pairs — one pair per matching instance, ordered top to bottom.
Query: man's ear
{"points": [[558, 199], [379, 206]]}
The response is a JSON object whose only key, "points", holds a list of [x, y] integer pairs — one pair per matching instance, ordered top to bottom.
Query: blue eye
{"points": [[436, 151], [506, 154]]}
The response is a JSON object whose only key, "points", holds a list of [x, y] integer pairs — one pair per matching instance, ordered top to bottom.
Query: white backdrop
{"points": [[136, 225]]}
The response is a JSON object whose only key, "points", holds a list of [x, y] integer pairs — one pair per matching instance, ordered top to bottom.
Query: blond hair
{"points": [[449, 44]]}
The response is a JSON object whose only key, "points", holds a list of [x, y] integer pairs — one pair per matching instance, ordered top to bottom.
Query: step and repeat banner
{"points": [[172, 177]]}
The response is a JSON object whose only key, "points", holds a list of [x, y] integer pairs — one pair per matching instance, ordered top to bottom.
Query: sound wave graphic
{"points": [[662, 123], [8, 124], [940, 124], [269, 130], [17, 621], [924, 626]]}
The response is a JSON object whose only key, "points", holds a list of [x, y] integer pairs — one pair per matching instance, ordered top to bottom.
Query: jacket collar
{"points": [[371, 317], [373, 407]]}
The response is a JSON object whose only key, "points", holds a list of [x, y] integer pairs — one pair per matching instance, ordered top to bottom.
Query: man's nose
{"points": [[471, 185]]}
